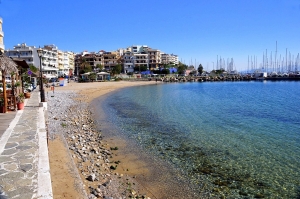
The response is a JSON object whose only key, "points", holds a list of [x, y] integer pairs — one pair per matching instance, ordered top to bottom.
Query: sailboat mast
{"points": [[276, 57]]}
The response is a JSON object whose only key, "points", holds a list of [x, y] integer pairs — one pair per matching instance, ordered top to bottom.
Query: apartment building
{"points": [[1, 37], [138, 48], [27, 53], [71, 56], [89, 58], [154, 58], [60, 59], [128, 59], [140, 59], [169, 59], [98, 60], [109, 60], [49, 61], [54, 61]]}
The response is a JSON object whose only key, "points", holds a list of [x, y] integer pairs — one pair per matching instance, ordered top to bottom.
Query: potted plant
{"points": [[17, 84], [20, 101]]}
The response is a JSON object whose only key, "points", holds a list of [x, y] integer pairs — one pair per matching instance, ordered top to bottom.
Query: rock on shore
{"points": [[69, 117]]}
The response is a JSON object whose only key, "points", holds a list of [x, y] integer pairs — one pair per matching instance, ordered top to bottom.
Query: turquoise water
{"points": [[232, 139]]}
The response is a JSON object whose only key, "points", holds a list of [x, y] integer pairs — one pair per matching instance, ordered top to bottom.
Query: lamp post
{"points": [[40, 54]]}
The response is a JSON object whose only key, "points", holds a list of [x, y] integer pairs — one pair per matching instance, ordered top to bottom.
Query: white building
{"points": [[1, 36], [27, 53], [169, 59], [53, 60], [50, 61], [128, 62]]}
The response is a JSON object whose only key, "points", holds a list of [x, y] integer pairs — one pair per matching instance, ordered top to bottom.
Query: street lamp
{"points": [[40, 54]]}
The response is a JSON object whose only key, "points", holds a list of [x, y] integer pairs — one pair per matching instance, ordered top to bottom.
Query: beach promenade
{"points": [[24, 161]]}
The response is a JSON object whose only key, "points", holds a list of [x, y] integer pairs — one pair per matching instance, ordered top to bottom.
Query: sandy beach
{"points": [[94, 90], [146, 178]]}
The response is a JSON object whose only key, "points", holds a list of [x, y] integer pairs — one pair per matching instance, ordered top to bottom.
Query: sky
{"points": [[198, 31]]}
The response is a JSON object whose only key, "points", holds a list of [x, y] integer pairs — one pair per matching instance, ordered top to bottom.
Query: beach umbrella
{"points": [[7, 66]]}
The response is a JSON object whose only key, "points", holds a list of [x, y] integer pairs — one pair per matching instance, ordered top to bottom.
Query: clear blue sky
{"points": [[197, 30]]}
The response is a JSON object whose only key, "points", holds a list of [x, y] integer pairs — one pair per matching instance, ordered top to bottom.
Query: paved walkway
{"points": [[24, 162]]}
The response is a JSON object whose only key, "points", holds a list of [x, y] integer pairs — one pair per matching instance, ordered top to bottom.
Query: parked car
{"points": [[53, 79], [28, 87]]}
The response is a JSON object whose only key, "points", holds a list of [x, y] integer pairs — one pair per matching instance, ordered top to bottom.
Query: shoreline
{"points": [[113, 138], [65, 165], [135, 173], [155, 177]]}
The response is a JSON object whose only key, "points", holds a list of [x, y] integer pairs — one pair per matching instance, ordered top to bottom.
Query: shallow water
{"points": [[232, 139]]}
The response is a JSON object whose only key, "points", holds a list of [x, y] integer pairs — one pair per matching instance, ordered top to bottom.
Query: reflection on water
{"points": [[238, 140]]}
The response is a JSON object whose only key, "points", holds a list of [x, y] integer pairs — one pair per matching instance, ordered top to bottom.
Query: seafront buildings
{"points": [[131, 59], [55, 62]]}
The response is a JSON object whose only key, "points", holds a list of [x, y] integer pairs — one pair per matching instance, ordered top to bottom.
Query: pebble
{"points": [[85, 144]]}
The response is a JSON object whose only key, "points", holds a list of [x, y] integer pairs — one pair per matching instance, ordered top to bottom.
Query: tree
{"points": [[100, 67], [33, 68], [87, 68], [140, 68], [181, 68], [117, 69], [200, 69], [165, 71], [192, 73], [92, 76]]}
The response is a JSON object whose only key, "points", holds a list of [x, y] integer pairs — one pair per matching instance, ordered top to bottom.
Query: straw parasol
{"points": [[7, 66]]}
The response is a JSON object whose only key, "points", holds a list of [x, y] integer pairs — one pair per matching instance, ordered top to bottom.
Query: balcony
{"points": [[1, 33], [26, 55], [45, 62]]}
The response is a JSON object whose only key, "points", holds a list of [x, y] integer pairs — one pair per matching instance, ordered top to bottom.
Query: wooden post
{"points": [[4, 91], [14, 91]]}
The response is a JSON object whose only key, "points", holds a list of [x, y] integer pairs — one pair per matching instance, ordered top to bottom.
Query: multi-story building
{"points": [[1, 37], [138, 48], [27, 53], [133, 57], [89, 58], [154, 58], [60, 59], [99, 59], [140, 59], [169, 59], [175, 59], [109, 60], [50, 61], [54, 61], [71, 62], [128, 65]]}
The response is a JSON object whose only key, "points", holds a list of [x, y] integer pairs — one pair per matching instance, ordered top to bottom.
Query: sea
{"points": [[228, 139]]}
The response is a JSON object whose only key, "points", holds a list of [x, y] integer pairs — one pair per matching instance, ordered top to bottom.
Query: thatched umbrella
{"points": [[7, 66]]}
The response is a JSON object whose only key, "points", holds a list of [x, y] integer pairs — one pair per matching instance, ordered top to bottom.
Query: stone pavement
{"points": [[24, 162]]}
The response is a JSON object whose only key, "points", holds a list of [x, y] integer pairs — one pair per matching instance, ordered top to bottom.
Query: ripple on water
{"points": [[233, 139]]}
